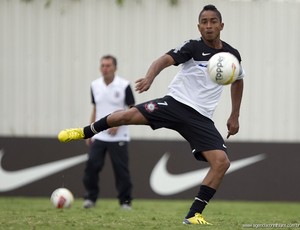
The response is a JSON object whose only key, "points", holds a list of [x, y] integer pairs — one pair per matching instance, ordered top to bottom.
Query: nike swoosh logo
{"points": [[205, 54], [162, 103], [10, 180], [164, 183]]}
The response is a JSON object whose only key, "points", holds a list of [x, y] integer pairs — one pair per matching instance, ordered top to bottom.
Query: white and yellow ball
{"points": [[223, 68]]}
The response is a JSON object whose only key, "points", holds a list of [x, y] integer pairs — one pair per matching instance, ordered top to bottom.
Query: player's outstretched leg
{"points": [[126, 117], [67, 135]]}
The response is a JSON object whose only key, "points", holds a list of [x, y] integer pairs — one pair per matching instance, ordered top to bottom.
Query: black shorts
{"points": [[197, 129]]}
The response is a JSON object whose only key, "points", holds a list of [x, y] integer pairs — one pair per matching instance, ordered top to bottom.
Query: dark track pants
{"points": [[118, 152]]}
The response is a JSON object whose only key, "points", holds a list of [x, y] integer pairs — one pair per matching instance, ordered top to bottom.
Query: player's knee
{"points": [[133, 116], [126, 117], [223, 164], [226, 164]]}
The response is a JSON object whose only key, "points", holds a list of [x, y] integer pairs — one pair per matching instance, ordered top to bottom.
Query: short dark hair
{"points": [[211, 8], [110, 57]]}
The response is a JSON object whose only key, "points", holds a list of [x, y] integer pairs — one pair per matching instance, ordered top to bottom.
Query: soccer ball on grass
{"points": [[223, 68], [62, 198]]}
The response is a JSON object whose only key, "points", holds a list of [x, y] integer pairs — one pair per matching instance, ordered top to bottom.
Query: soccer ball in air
{"points": [[223, 68], [62, 198]]}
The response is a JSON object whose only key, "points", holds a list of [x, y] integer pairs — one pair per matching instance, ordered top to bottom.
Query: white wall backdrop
{"points": [[49, 56]]}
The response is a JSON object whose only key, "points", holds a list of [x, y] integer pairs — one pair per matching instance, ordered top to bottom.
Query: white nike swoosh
{"points": [[205, 54], [10, 180], [164, 183]]}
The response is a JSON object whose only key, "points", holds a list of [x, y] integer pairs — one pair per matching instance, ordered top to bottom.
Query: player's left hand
{"points": [[232, 126], [88, 142]]}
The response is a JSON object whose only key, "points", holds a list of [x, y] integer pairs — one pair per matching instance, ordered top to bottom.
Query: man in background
{"points": [[109, 93]]}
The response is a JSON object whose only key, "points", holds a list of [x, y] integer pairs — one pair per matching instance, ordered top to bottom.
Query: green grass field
{"points": [[38, 213]]}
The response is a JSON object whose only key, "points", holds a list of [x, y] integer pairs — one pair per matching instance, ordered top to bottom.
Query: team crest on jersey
{"points": [[117, 94], [150, 107]]}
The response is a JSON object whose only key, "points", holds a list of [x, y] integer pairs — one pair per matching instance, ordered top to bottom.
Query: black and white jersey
{"points": [[192, 85], [110, 98]]}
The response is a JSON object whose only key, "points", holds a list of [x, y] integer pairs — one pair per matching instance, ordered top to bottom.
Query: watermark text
{"points": [[276, 225]]}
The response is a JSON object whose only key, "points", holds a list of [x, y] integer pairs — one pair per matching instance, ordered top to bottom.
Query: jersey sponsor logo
{"points": [[205, 54], [202, 65], [10, 180], [164, 183]]}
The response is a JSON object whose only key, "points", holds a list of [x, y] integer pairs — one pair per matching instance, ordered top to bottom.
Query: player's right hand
{"points": [[143, 84]]}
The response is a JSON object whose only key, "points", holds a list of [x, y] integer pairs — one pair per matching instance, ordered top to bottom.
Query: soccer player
{"points": [[187, 108]]}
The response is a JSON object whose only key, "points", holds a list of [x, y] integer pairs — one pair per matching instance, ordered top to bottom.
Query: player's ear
{"points": [[198, 25], [222, 25]]}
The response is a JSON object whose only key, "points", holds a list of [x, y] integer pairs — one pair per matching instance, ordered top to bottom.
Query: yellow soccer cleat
{"points": [[67, 135], [197, 219]]}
